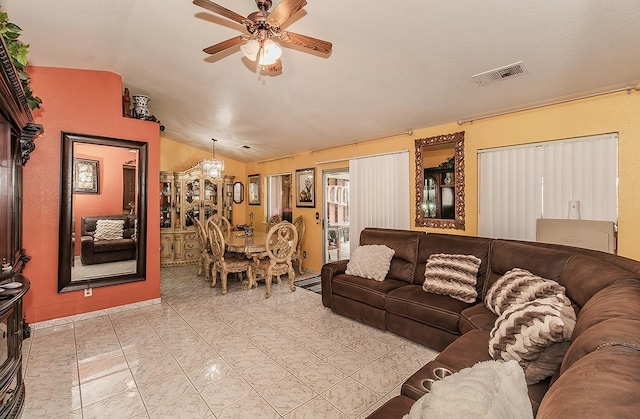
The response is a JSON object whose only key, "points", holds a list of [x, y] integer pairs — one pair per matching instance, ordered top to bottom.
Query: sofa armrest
{"points": [[86, 250], [329, 271]]}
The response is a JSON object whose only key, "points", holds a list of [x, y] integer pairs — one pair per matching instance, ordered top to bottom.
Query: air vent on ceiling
{"points": [[497, 74]]}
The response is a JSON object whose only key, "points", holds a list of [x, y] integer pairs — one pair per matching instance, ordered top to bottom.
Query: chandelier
{"points": [[213, 167]]}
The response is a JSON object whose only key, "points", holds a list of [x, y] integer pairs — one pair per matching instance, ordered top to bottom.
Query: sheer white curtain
{"points": [[517, 185], [379, 193]]}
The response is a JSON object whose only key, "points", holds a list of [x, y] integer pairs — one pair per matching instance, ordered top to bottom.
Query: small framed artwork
{"points": [[85, 176], [306, 188], [254, 189], [238, 193]]}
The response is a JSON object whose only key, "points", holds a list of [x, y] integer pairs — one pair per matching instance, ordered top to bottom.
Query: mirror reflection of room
{"points": [[438, 200], [104, 226]]}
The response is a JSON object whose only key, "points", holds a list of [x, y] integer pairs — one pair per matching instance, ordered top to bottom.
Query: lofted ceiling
{"points": [[395, 65]]}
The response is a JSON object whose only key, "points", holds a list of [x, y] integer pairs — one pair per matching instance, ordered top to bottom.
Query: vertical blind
{"points": [[518, 185], [379, 193]]}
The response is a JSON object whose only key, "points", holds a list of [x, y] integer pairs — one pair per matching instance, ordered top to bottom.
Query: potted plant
{"points": [[18, 52]]}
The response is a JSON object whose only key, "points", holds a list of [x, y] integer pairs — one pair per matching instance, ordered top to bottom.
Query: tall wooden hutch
{"points": [[17, 132], [183, 197]]}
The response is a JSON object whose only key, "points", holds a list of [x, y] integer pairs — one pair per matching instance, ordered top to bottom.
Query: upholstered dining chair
{"points": [[280, 244], [297, 256], [206, 258], [225, 264]]}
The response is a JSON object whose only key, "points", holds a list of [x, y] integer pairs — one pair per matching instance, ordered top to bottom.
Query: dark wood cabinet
{"points": [[17, 133], [439, 194]]}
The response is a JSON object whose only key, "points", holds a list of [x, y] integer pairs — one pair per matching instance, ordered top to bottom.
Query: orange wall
{"points": [[87, 102], [616, 112]]}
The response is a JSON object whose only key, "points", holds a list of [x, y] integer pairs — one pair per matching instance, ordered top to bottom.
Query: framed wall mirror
{"points": [[440, 181], [103, 237]]}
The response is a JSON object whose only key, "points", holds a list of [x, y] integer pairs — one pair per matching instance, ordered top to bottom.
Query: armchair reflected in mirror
{"points": [[440, 181], [102, 229]]}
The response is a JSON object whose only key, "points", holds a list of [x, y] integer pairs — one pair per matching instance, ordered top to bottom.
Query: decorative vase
{"points": [[140, 109]]}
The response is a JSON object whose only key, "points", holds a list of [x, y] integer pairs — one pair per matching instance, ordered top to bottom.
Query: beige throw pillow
{"points": [[109, 230], [370, 261], [452, 275], [519, 286], [536, 334]]}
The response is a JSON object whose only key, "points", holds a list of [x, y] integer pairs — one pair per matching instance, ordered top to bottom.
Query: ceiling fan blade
{"points": [[216, 8], [285, 9], [306, 41], [221, 46], [275, 67]]}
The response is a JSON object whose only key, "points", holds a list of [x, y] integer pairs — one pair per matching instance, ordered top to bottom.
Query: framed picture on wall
{"points": [[85, 176], [306, 188], [254, 189]]}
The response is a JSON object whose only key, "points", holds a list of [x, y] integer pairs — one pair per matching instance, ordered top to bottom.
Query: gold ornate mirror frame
{"points": [[422, 146]]}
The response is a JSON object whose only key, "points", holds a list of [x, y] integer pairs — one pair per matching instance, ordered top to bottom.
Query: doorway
{"points": [[336, 214]]}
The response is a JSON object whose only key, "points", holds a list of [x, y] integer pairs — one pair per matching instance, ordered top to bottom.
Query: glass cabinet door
{"points": [[191, 201], [165, 204], [429, 206]]}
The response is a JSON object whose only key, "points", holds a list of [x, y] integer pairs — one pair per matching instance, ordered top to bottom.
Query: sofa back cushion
{"points": [[433, 243], [405, 245], [540, 261], [584, 276]]}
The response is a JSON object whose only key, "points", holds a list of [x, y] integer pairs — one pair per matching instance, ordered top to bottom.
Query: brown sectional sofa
{"points": [[600, 373]]}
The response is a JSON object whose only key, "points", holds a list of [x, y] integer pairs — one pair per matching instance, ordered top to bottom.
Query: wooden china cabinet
{"points": [[17, 132], [439, 191], [183, 197]]}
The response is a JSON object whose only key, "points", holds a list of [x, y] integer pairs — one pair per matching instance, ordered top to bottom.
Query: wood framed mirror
{"points": [[440, 181], [103, 235]]}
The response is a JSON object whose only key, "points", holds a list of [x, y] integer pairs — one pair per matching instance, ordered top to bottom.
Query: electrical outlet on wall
{"points": [[304, 254], [88, 292]]}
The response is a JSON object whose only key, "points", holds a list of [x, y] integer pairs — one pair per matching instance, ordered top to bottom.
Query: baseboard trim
{"points": [[92, 314]]}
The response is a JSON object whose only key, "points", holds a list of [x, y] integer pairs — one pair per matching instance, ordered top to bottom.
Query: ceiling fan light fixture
{"points": [[250, 49], [272, 50]]}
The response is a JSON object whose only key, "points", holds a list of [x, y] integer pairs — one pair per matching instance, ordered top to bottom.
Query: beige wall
{"points": [[618, 112]]}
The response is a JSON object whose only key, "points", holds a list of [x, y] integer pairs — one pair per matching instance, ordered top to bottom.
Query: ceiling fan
{"points": [[262, 27]]}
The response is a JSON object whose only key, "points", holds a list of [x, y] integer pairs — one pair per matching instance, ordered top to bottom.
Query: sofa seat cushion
{"points": [[112, 245], [364, 290], [436, 310], [476, 317]]}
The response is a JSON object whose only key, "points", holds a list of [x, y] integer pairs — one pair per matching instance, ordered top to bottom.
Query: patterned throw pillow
{"points": [[109, 230], [370, 261], [452, 275], [519, 286], [536, 334]]}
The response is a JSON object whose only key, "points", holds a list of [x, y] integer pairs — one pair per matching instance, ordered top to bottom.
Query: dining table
{"points": [[252, 246]]}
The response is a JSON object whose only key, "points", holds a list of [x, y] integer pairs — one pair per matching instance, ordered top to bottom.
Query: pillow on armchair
{"points": [[109, 230]]}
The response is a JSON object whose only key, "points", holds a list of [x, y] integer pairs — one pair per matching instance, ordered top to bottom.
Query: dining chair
{"points": [[273, 220], [222, 222], [280, 243], [297, 254], [206, 258], [225, 264]]}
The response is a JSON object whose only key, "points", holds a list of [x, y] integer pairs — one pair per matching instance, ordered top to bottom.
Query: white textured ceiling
{"points": [[396, 65]]}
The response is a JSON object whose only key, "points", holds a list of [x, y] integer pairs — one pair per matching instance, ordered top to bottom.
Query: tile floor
{"points": [[199, 354]]}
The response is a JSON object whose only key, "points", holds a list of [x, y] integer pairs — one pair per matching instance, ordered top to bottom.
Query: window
{"points": [[517, 185], [279, 196]]}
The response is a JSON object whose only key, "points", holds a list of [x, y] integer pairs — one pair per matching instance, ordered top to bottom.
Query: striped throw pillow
{"points": [[452, 275], [519, 286], [536, 334]]}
